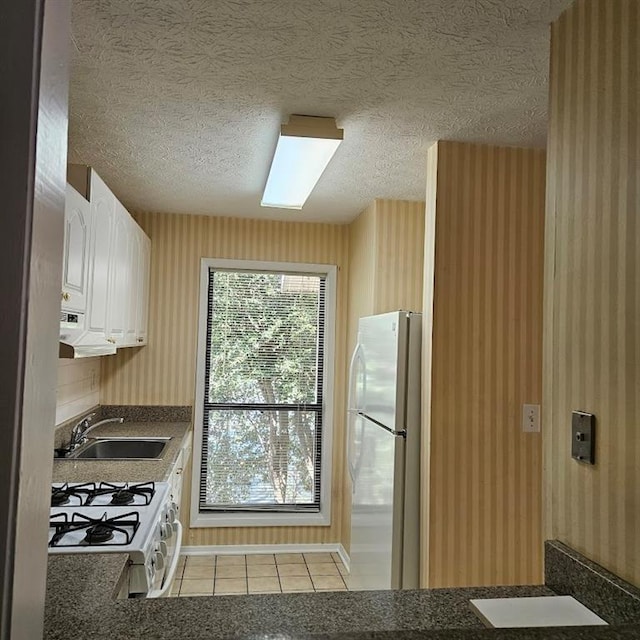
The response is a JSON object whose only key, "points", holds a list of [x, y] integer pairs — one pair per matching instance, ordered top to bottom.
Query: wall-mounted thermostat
{"points": [[583, 437]]}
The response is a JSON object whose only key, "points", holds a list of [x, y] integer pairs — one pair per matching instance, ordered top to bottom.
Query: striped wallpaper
{"points": [[485, 220], [399, 254], [385, 260], [362, 265], [385, 274], [592, 281], [164, 371]]}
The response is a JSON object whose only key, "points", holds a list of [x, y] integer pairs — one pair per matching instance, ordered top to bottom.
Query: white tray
{"points": [[545, 611]]}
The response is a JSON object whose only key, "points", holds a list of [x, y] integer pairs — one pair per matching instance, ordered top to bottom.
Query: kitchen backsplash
{"points": [[78, 388], [148, 413], [569, 573]]}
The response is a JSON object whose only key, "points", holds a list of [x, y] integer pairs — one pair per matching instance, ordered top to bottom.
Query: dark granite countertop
{"points": [[67, 470], [80, 603]]}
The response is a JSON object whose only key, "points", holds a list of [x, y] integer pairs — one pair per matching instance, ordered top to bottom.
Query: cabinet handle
{"points": [[65, 295], [140, 339], [111, 340]]}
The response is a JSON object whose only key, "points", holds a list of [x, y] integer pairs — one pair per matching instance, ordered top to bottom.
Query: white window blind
{"points": [[262, 418]]}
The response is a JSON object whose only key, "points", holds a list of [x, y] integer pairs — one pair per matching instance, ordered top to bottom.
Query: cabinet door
{"points": [[103, 204], [75, 260], [118, 270], [119, 277], [134, 283], [142, 301]]}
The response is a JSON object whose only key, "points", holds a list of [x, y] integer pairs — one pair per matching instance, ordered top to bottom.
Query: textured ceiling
{"points": [[177, 103]]}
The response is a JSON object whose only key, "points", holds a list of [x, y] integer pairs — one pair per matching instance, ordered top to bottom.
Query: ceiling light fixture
{"points": [[305, 147]]}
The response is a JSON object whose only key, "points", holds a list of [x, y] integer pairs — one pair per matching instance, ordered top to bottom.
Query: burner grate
{"points": [[75, 495], [122, 495], [98, 531]]}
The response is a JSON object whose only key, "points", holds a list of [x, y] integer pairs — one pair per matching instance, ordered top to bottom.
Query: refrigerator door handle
{"points": [[352, 365], [352, 411], [354, 457], [350, 465]]}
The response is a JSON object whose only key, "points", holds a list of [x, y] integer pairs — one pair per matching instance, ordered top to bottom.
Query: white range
{"points": [[122, 517]]}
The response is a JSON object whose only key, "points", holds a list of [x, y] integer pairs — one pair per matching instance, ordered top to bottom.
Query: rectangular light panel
{"points": [[297, 165]]}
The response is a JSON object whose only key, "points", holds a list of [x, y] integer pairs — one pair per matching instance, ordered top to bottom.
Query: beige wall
{"points": [[485, 217], [362, 242], [399, 255], [385, 260], [385, 274], [592, 281], [164, 371], [78, 388]]}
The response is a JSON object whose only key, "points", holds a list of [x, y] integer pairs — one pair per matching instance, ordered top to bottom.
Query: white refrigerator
{"points": [[383, 451]]}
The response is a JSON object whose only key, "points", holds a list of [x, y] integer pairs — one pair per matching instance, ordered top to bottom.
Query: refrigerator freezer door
{"points": [[383, 352], [377, 508]]}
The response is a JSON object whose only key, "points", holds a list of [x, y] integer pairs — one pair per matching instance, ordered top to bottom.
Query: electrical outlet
{"points": [[531, 418]]}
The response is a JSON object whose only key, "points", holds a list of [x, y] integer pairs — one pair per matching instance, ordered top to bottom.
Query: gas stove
{"points": [[134, 518]]}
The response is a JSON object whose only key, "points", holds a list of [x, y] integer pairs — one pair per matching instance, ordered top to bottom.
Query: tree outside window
{"points": [[263, 400]]}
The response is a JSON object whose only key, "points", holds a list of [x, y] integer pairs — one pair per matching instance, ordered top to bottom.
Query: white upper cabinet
{"points": [[103, 209], [143, 256], [75, 261], [105, 266], [120, 277], [130, 282]]}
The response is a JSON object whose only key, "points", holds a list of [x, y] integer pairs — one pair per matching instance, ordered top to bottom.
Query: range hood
{"points": [[75, 342], [85, 351]]}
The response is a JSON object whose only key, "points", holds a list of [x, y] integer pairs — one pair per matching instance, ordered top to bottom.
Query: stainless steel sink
{"points": [[121, 449]]}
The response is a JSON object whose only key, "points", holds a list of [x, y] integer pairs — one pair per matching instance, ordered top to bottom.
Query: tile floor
{"points": [[258, 573]]}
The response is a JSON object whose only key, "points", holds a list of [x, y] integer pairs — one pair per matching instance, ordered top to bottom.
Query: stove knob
{"points": [[171, 513], [166, 530], [158, 561]]}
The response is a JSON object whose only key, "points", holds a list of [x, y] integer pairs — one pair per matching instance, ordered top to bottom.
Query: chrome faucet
{"points": [[81, 430]]}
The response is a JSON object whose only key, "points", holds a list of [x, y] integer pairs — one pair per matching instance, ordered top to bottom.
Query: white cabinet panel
{"points": [[103, 205], [75, 262], [106, 267], [120, 273], [134, 283], [142, 299]]}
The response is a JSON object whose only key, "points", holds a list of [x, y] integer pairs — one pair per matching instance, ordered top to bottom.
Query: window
{"points": [[263, 404]]}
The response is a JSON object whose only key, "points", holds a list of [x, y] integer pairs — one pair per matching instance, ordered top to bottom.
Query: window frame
{"points": [[270, 518]]}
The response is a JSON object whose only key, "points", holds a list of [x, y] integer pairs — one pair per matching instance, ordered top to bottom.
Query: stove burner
{"points": [[65, 494], [122, 496], [59, 497], [97, 531], [98, 534]]}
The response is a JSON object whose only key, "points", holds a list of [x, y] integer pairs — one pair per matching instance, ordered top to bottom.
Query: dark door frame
{"points": [[33, 210]]}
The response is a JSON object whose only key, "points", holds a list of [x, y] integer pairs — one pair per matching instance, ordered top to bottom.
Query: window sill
{"points": [[260, 520]]}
